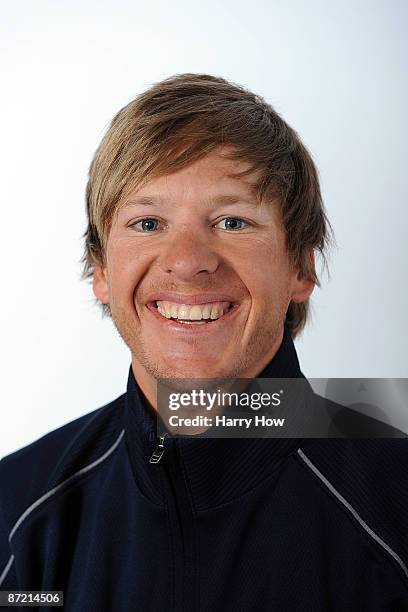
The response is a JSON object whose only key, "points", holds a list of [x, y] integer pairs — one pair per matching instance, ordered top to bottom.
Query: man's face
{"points": [[200, 239]]}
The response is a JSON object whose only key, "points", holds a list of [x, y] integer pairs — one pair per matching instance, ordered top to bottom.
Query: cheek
{"points": [[126, 269], [266, 273], [269, 291]]}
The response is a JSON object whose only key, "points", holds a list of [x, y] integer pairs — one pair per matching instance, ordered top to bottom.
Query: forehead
{"points": [[214, 174]]}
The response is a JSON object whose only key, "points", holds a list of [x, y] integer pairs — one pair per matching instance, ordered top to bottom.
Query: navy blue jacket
{"points": [[217, 525]]}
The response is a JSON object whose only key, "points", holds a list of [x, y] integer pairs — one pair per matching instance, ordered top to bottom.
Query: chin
{"points": [[192, 371]]}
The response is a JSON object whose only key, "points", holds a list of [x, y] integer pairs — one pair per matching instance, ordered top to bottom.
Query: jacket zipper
{"points": [[158, 451], [181, 525]]}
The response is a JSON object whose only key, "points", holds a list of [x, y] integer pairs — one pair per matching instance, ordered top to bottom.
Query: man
{"points": [[204, 216]]}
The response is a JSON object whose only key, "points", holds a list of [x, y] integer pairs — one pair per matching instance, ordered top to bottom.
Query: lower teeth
{"points": [[192, 322]]}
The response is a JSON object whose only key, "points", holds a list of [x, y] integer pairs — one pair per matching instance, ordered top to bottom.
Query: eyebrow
{"points": [[226, 199]]}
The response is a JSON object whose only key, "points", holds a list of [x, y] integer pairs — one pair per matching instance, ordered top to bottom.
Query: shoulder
{"points": [[380, 461], [28, 473], [368, 479]]}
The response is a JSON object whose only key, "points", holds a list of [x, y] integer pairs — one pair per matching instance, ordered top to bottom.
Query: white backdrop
{"points": [[335, 71]]}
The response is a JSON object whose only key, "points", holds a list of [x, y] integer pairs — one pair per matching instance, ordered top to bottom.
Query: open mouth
{"points": [[192, 314]]}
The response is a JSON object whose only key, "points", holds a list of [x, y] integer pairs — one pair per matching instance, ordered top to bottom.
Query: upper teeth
{"points": [[196, 312]]}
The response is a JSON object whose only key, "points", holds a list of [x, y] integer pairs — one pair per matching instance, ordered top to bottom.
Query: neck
{"points": [[268, 367]]}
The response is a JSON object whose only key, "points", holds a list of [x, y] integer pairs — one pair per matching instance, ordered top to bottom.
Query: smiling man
{"points": [[204, 217], [197, 275]]}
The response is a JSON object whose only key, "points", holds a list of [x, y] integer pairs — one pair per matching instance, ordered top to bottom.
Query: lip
{"points": [[191, 298], [172, 324]]}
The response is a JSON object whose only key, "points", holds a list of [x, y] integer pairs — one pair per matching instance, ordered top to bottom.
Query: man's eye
{"points": [[233, 223], [146, 225]]}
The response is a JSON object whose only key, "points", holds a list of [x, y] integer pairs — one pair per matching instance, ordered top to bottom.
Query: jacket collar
{"points": [[217, 469]]}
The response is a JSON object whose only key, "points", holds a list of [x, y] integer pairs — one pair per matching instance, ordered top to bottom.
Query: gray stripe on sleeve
{"points": [[47, 495], [352, 511], [6, 569]]}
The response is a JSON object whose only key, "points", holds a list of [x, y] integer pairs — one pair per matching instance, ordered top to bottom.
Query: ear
{"points": [[100, 284], [303, 287]]}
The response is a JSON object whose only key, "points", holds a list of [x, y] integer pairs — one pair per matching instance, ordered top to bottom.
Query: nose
{"points": [[187, 254]]}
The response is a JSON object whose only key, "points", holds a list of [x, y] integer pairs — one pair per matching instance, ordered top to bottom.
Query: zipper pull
{"points": [[158, 451]]}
